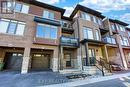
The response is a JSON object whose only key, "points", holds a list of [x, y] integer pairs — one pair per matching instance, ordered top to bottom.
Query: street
{"points": [[120, 82]]}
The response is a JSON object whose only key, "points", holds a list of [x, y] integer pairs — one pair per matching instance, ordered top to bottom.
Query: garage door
{"points": [[13, 61], [40, 62]]}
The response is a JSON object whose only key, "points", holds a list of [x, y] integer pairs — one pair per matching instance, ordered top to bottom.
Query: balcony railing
{"points": [[47, 21], [67, 28], [109, 39], [68, 41]]}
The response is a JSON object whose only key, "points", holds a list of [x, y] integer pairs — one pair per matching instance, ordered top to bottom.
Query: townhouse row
{"points": [[38, 37]]}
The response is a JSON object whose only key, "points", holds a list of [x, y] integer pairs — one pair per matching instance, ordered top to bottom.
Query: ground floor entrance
{"points": [[127, 56], [13, 61], [40, 61]]}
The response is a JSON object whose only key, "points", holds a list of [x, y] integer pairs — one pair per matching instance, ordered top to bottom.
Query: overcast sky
{"points": [[116, 9]]}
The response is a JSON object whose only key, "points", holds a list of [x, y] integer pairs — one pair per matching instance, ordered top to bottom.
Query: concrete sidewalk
{"points": [[88, 81]]}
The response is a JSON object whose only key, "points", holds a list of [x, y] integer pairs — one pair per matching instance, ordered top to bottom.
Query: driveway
{"points": [[33, 79]]}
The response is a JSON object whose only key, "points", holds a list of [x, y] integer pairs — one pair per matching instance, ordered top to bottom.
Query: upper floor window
{"points": [[21, 8], [48, 14], [86, 16], [95, 20], [99, 21], [113, 26], [12, 27], [117, 27], [122, 28], [46, 31], [88, 33], [129, 33], [97, 35], [110, 39], [124, 41]]}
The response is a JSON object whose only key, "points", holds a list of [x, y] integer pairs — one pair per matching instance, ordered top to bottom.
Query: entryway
{"points": [[92, 56], [13, 61], [40, 61]]}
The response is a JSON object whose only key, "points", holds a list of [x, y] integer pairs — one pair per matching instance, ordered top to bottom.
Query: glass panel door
{"points": [[91, 54], [68, 59]]}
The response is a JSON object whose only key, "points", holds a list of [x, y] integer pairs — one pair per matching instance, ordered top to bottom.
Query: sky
{"points": [[115, 9]]}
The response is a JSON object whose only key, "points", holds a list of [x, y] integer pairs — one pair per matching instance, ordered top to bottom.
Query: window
{"points": [[18, 7], [21, 8], [48, 14], [86, 16], [94, 19], [99, 21], [4, 25], [113, 26], [12, 27], [117, 27], [20, 28], [122, 28], [46, 31], [40, 32], [88, 33], [129, 33], [97, 35], [110, 39], [124, 41]]}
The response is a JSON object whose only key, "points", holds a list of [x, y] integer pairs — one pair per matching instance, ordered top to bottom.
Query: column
{"points": [[105, 53], [2, 55], [87, 57], [26, 58], [61, 58], [79, 58], [55, 60], [124, 63]]}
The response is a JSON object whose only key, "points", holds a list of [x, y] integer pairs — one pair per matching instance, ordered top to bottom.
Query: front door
{"points": [[91, 54], [67, 58], [40, 61]]}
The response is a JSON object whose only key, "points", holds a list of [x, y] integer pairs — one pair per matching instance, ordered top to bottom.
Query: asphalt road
{"points": [[120, 82]]}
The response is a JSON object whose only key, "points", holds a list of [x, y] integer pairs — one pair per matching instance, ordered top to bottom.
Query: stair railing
{"points": [[102, 65]]}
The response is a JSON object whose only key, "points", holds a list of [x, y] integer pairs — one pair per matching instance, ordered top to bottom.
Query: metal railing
{"points": [[101, 64]]}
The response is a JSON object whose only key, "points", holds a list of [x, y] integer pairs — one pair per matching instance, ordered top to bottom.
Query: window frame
{"points": [[21, 9], [49, 14], [85, 16], [16, 27], [47, 27], [86, 32], [97, 32]]}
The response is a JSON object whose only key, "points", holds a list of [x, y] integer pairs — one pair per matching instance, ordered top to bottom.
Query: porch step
{"points": [[93, 70], [70, 71]]}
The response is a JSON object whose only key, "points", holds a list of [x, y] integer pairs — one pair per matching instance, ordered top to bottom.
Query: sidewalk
{"points": [[88, 81]]}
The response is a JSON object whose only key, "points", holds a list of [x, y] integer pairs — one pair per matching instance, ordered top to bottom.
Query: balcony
{"points": [[47, 21], [67, 28], [109, 39], [68, 41]]}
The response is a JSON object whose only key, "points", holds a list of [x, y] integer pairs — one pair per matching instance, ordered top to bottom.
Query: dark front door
{"points": [[91, 54], [67, 57], [13, 61], [40, 61]]}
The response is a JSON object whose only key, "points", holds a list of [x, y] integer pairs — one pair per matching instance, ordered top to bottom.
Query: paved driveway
{"points": [[33, 79]]}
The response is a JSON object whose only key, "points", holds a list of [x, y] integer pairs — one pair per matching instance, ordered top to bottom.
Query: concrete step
{"points": [[93, 70], [70, 71]]}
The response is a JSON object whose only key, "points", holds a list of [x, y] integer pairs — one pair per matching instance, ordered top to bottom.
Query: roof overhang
{"points": [[86, 9], [119, 22]]}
